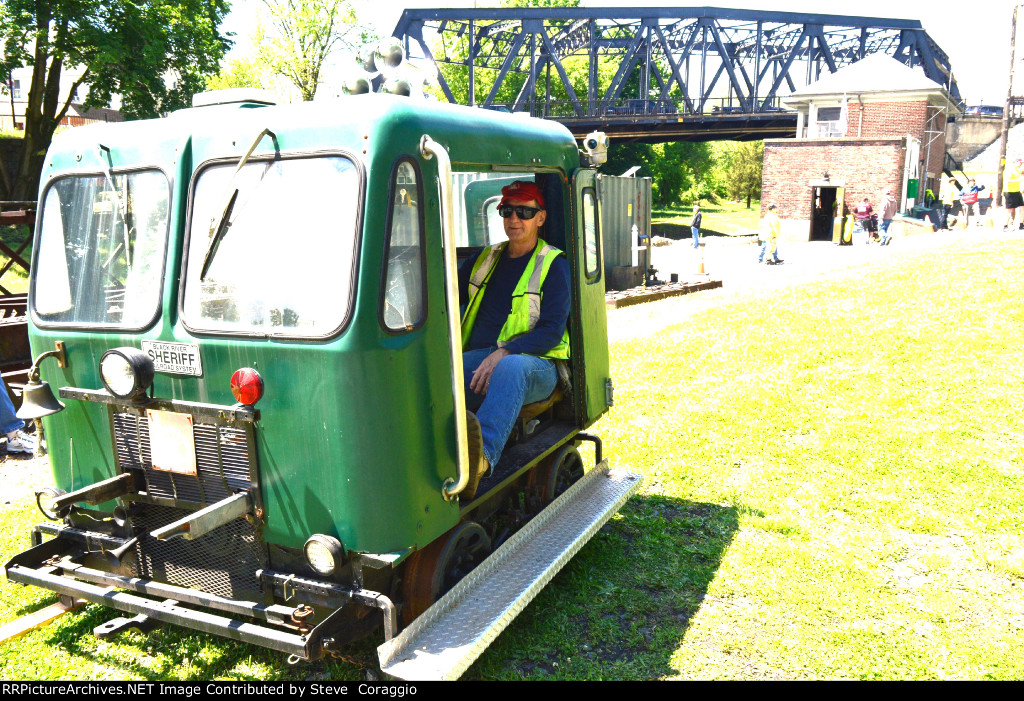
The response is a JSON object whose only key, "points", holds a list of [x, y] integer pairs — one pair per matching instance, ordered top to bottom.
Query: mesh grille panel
{"points": [[216, 447], [222, 562]]}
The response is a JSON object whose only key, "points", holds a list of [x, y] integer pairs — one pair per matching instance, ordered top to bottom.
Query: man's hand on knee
{"points": [[482, 375]]}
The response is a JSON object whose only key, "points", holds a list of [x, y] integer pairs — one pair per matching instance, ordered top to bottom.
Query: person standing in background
{"points": [[1011, 197], [948, 200], [969, 202], [888, 212], [863, 214], [695, 226], [770, 228], [11, 425]]}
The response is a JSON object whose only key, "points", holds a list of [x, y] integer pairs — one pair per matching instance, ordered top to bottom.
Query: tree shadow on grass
{"points": [[621, 607], [173, 652]]}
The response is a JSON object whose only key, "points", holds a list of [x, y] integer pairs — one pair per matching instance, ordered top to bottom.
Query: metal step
{"points": [[448, 637]]}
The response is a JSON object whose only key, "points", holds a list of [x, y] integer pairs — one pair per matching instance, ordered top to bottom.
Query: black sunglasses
{"points": [[523, 212]]}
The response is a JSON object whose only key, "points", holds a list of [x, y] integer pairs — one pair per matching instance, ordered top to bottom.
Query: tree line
{"points": [[155, 54], [693, 172]]}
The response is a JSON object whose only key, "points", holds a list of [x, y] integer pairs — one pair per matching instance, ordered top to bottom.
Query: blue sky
{"points": [[976, 40]]}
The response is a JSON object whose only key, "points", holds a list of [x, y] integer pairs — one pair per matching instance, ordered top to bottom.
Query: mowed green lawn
{"points": [[724, 218], [833, 489]]}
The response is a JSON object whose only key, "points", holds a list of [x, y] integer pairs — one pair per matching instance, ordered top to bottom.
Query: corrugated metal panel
{"points": [[625, 203]]}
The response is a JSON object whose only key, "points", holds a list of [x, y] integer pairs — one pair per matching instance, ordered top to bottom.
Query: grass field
{"points": [[722, 219], [833, 489]]}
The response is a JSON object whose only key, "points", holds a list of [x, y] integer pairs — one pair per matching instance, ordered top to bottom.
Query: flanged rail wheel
{"points": [[559, 473], [435, 569]]}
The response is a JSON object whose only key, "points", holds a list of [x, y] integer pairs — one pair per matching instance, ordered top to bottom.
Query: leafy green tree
{"points": [[304, 33], [155, 54], [240, 73], [624, 155], [680, 171], [743, 178]]}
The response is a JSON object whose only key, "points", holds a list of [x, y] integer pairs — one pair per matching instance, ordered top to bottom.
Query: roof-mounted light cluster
{"points": [[398, 75]]}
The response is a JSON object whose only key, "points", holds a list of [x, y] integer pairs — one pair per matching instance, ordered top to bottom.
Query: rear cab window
{"points": [[244, 280]]}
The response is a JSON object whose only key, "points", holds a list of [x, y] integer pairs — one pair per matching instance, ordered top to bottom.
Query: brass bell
{"points": [[38, 401]]}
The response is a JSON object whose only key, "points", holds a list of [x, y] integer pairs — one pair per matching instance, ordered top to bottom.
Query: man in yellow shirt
{"points": [[1011, 195], [770, 228]]}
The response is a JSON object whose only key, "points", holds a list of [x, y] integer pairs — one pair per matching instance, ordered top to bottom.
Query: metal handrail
{"points": [[639, 107], [431, 149]]}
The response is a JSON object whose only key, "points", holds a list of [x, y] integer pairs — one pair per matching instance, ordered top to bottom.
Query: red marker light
{"points": [[247, 386]]}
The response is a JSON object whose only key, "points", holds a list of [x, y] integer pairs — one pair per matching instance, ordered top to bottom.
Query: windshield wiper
{"points": [[105, 150], [219, 223]]}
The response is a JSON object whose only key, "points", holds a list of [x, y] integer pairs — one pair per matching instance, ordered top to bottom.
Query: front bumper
{"points": [[62, 564]]}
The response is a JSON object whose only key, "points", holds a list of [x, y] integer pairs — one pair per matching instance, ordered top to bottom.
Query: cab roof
{"points": [[365, 125]]}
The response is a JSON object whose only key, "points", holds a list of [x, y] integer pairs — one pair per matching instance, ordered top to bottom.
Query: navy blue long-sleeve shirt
{"points": [[497, 303]]}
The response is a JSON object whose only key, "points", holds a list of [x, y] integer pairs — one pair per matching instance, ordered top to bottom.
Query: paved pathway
{"points": [[734, 261]]}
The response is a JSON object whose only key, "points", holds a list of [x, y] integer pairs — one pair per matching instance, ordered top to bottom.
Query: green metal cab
{"points": [[284, 274]]}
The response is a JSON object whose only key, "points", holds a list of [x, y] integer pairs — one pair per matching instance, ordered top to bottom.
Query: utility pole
{"points": [[1006, 109]]}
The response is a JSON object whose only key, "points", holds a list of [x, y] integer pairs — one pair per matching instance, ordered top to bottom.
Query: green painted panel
{"points": [[592, 343], [356, 433]]}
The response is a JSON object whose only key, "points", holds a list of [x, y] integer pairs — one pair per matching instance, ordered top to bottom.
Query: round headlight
{"points": [[126, 372], [324, 553]]}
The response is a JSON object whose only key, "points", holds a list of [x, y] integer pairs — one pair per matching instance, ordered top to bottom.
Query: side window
{"points": [[591, 236], [403, 300]]}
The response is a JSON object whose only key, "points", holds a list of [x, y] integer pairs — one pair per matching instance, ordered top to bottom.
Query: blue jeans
{"points": [[885, 230], [696, 236], [764, 249], [517, 380], [8, 421]]}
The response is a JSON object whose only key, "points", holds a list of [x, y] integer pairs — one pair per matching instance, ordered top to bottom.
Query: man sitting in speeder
{"points": [[514, 326]]}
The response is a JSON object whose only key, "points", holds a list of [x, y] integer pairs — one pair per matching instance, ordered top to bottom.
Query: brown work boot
{"points": [[478, 466]]}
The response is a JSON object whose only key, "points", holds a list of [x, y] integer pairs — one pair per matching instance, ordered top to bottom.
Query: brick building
{"points": [[872, 126]]}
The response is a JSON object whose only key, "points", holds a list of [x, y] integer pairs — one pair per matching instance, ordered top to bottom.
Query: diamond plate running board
{"points": [[448, 637]]}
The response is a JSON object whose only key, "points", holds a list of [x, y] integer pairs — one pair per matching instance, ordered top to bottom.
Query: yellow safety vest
{"points": [[1011, 176], [526, 296]]}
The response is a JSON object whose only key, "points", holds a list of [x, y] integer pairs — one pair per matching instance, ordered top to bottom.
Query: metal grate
{"points": [[222, 461], [222, 562]]}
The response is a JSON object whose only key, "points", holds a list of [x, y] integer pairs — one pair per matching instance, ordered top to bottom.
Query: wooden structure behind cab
{"points": [[15, 357]]}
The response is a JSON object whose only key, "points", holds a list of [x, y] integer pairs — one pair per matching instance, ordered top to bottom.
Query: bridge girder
{"points": [[670, 64]]}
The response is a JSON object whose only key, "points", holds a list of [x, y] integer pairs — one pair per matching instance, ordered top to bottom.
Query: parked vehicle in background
{"points": [[985, 110]]}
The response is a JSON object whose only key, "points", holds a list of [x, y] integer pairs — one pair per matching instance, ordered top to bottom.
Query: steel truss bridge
{"points": [[653, 74]]}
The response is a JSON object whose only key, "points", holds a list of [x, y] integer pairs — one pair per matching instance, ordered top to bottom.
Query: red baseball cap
{"points": [[521, 191]]}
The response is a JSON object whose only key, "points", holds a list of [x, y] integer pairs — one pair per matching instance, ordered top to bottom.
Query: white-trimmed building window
{"points": [[829, 123]]}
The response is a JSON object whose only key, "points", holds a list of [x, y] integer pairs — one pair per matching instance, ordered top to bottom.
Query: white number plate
{"points": [[174, 358], [172, 442]]}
